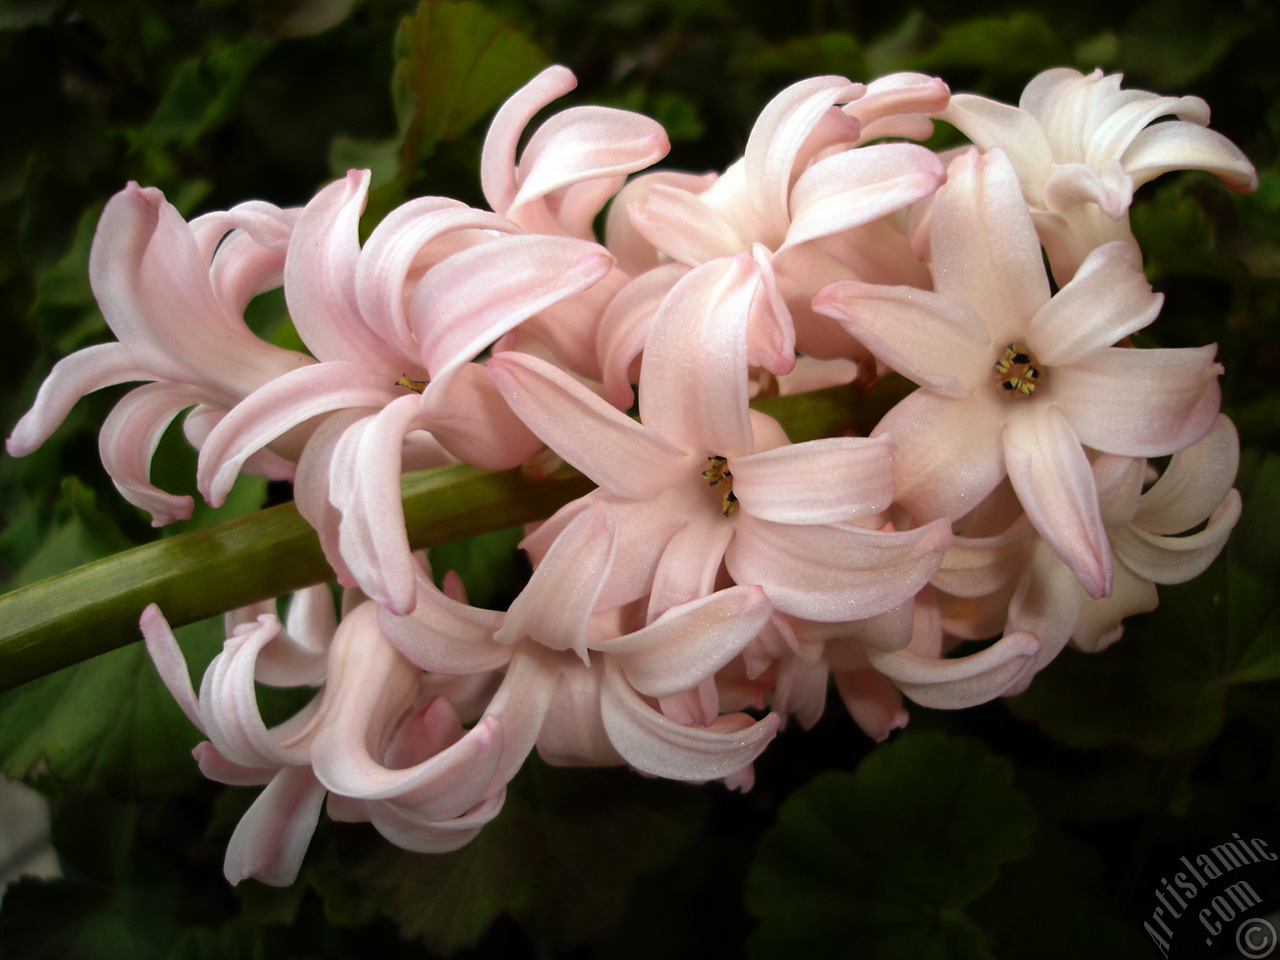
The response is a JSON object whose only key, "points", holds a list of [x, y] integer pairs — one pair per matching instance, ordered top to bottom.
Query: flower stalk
{"points": [[93, 609]]}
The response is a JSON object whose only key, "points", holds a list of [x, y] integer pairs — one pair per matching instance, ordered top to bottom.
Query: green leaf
{"points": [[1173, 44], [1017, 45], [835, 52], [455, 62], [202, 94], [1164, 686], [107, 724], [560, 858], [879, 863], [1053, 905], [76, 920]]}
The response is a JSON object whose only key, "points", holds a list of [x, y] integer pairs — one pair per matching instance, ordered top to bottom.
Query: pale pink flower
{"points": [[1081, 146], [568, 170], [806, 201], [174, 295], [396, 325], [1017, 383], [702, 479], [1149, 542], [584, 685], [374, 738]]}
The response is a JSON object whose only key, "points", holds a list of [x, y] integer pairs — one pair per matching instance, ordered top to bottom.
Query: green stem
{"points": [[87, 611]]}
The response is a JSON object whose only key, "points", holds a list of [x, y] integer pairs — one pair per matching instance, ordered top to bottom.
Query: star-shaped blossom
{"points": [[395, 324], [1015, 382], [703, 479]]}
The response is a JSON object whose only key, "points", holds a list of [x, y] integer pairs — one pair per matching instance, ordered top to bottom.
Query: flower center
{"points": [[1017, 371], [417, 386], [718, 475]]}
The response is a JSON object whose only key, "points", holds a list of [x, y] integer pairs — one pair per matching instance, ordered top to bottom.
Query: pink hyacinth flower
{"points": [[1081, 146], [174, 295], [396, 325], [1015, 382], [702, 479]]}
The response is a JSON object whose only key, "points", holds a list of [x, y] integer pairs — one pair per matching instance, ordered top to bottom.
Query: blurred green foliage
{"points": [[1045, 842]]}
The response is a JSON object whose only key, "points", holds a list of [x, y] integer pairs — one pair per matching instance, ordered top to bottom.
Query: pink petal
{"points": [[899, 93], [989, 123], [782, 129], [586, 143], [1179, 145], [498, 160], [1074, 185], [857, 186], [683, 226], [985, 250], [634, 252], [243, 265], [384, 266], [320, 278], [155, 292], [472, 298], [1108, 299], [624, 328], [937, 342], [71, 378], [693, 382], [1140, 403], [281, 405], [468, 417], [128, 441], [947, 453], [624, 457], [821, 481], [1194, 484], [1055, 485], [311, 487], [364, 487], [1177, 559], [689, 563], [976, 567], [831, 573], [1046, 604], [556, 605], [1099, 622], [444, 635], [689, 643], [165, 653], [299, 656], [959, 682], [364, 700], [873, 702], [229, 706], [655, 745], [215, 766], [410, 830], [272, 837]]}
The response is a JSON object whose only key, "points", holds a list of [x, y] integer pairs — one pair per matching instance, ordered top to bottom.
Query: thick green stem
{"points": [[95, 608]]}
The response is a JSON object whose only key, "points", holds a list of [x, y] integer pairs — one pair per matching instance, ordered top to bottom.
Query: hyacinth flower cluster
{"points": [[1043, 477]]}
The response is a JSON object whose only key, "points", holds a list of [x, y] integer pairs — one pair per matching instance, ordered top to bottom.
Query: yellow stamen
{"points": [[1017, 371], [417, 386], [717, 474]]}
